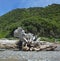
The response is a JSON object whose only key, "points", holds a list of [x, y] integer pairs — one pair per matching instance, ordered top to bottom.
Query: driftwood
{"points": [[27, 42], [30, 42], [8, 44], [27, 46], [37, 47]]}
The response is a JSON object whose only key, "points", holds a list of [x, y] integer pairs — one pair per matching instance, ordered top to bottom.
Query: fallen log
{"points": [[27, 46]]}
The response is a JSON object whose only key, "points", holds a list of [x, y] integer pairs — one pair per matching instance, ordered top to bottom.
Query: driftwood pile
{"points": [[27, 42], [30, 42], [27, 46], [37, 46]]}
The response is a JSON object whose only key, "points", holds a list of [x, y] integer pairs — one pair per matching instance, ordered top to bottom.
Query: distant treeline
{"points": [[43, 21]]}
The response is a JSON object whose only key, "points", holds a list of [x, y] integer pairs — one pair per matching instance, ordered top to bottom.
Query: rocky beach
{"points": [[9, 55]]}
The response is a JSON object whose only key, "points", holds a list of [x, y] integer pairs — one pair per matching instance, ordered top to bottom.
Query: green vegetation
{"points": [[43, 21], [50, 39]]}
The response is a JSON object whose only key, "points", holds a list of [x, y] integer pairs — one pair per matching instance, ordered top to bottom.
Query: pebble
{"points": [[30, 55]]}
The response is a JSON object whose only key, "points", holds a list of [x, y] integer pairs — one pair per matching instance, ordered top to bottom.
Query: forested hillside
{"points": [[43, 21]]}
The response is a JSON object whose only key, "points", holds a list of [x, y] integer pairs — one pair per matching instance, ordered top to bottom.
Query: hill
{"points": [[43, 21]]}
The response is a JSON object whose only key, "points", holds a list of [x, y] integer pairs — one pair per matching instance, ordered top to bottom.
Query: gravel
{"points": [[9, 55]]}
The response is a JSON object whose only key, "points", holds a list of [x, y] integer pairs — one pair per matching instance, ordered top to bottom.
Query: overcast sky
{"points": [[8, 5]]}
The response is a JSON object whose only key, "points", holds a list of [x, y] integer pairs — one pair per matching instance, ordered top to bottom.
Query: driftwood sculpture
{"points": [[29, 42]]}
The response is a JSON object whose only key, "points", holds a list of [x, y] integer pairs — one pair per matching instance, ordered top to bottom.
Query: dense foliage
{"points": [[43, 21]]}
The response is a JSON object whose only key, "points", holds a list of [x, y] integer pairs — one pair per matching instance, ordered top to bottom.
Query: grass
{"points": [[50, 39]]}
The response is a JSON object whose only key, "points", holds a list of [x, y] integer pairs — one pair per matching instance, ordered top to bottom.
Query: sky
{"points": [[8, 5]]}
